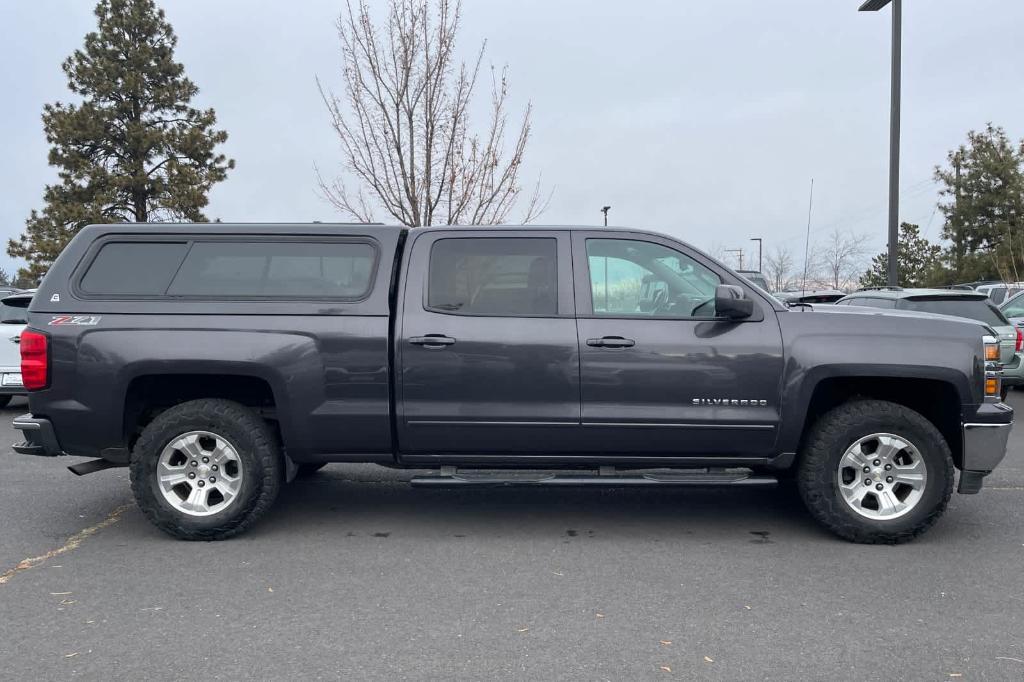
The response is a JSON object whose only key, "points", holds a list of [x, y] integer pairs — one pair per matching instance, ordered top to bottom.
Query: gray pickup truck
{"points": [[219, 361]]}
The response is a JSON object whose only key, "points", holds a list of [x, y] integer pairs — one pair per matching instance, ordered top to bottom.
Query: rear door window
{"points": [[276, 270], [495, 276]]}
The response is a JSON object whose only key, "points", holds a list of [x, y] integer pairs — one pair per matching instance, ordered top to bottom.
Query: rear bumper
{"points": [[40, 438], [985, 439]]}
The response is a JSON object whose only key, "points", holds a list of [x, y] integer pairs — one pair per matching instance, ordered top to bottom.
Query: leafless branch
{"points": [[403, 123]]}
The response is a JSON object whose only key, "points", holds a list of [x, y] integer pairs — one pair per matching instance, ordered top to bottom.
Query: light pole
{"points": [[894, 130], [605, 209], [760, 248]]}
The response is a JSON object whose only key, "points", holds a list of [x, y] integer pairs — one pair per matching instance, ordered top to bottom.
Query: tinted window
{"points": [[133, 268], [276, 269], [499, 276], [630, 277], [874, 302], [974, 309], [10, 314]]}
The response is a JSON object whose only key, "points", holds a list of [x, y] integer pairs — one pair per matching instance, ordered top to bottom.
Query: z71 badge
{"points": [[75, 320]]}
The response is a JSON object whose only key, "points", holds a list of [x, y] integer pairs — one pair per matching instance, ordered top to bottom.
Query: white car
{"points": [[1000, 291], [13, 310]]}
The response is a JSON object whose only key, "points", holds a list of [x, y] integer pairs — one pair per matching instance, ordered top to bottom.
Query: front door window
{"points": [[630, 278]]}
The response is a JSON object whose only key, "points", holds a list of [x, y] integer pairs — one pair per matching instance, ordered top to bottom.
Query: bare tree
{"points": [[404, 128], [718, 251], [839, 259], [779, 267]]}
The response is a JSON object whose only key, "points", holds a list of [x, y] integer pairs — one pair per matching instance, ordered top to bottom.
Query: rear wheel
{"points": [[206, 469], [874, 472]]}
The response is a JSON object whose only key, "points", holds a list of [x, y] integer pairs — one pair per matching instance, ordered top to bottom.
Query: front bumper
{"points": [[40, 438], [985, 438]]}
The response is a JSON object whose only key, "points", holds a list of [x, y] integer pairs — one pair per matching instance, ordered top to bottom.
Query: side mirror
{"points": [[731, 303]]}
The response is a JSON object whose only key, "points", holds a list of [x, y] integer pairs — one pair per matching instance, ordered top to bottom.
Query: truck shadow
{"points": [[345, 505]]}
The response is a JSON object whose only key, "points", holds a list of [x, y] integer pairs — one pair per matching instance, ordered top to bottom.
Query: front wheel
{"points": [[206, 469], [875, 472]]}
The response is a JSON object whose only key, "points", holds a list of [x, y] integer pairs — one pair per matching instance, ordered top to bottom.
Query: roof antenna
{"points": [[807, 242]]}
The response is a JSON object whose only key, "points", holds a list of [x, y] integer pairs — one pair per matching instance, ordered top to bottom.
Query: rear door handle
{"points": [[434, 341], [611, 342]]}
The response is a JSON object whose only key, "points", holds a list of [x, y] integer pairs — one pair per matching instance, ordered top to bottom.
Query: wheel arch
{"points": [[149, 393], [938, 394]]}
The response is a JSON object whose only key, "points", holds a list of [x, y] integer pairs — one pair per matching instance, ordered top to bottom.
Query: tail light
{"points": [[1020, 340], [35, 360]]}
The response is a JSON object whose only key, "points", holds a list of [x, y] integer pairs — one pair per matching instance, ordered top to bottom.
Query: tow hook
{"points": [[91, 467]]}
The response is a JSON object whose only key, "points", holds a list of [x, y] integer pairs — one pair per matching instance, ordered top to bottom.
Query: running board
{"points": [[92, 466], [503, 479]]}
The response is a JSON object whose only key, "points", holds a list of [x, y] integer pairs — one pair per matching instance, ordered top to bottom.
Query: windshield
{"points": [[974, 309], [11, 315]]}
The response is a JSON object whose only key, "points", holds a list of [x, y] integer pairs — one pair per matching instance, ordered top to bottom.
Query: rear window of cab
{"points": [[232, 269]]}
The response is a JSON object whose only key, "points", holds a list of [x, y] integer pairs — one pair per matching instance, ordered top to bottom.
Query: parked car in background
{"points": [[756, 278], [999, 292], [811, 296], [973, 305], [1013, 309], [13, 314]]}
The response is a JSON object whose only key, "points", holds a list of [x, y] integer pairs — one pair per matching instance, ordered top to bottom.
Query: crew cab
{"points": [[219, 361]]}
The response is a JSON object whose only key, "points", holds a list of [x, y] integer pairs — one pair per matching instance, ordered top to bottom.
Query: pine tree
{"points": [[132, 150], [983, 201], [920, 261]]}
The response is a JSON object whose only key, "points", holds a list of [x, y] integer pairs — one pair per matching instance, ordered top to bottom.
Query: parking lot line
{"points": [[72, 543]]}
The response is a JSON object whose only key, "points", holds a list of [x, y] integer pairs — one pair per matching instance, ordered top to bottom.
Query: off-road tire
{"points": [[837, 430], [257, 448]]}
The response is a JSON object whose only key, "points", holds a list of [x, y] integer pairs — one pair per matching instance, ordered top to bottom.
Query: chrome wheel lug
{"points": [[206, 460], [877, 462], [195, 463], [214, 467], [888, 467], [867, 470], [191, 474], [213, 479], [888, 479], [867, 481], [202, 483], [877, 487]]}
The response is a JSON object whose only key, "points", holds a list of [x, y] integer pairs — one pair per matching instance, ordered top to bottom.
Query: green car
{"points": [[1013, 309]]}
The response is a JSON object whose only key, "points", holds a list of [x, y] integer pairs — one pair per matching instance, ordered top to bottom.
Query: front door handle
{"points": [[432, 341], [611, 342]]}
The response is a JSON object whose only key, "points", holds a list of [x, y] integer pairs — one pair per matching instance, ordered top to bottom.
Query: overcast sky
{"points": [[706, 120]]}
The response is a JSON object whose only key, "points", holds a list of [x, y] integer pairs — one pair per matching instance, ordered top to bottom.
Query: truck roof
{"points": [[318, 227]]}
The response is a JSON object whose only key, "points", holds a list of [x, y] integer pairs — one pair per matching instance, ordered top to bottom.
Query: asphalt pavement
{"points": [[356, 575]]}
